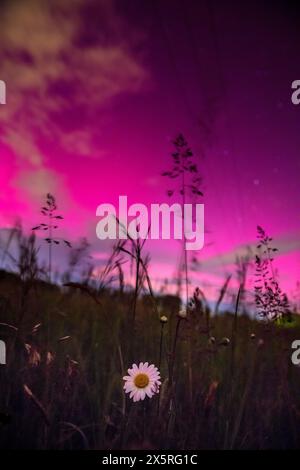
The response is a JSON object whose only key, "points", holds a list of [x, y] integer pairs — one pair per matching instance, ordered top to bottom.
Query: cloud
{"points": [[63, 62], [33, 185], [285, 244]]}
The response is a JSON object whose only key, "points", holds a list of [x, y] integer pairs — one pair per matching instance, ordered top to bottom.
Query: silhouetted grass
{"points": [[65, 390]]}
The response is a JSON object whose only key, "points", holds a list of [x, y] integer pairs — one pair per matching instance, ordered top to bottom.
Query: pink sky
{"points": [[91, 116]]}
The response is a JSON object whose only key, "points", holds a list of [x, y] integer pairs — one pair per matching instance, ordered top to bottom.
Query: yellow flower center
{"points": [[141, 380]]}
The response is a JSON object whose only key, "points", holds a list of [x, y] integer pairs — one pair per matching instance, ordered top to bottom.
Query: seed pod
{"points": [[182, 313], [224, 342]]}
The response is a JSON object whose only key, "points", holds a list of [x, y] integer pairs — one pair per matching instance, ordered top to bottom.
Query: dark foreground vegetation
{"points": [[228, 382]]}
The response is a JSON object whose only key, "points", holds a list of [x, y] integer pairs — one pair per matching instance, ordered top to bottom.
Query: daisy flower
{"points": [[142, 381]]}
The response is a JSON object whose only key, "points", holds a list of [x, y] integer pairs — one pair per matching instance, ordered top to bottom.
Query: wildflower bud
{"points": [[182, 313], [163, 319], [252, 336], [212, 340], [224, 342], [260, 343]]}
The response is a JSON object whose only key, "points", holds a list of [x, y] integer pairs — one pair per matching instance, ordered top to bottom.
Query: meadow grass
{"points": [[62, 387]]}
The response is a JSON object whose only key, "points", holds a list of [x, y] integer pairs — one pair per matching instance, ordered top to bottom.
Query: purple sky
{"points": [[96, 91]]}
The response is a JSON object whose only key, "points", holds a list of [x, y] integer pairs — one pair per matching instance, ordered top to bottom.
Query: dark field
{"points": [[67, 352]]}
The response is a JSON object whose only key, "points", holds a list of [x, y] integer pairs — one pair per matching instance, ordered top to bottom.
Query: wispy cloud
{"points": [[61, 72], [285, 243]]}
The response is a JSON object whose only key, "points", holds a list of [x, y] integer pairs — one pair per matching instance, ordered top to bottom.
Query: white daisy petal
{"points": [[149, 393]]}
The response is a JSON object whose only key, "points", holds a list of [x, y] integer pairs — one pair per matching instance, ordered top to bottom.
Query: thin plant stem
{"points": [[50, 247], [138, 258], [234, 332], [160, 345], [173, 352], [160, 355], [190, 370]]}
